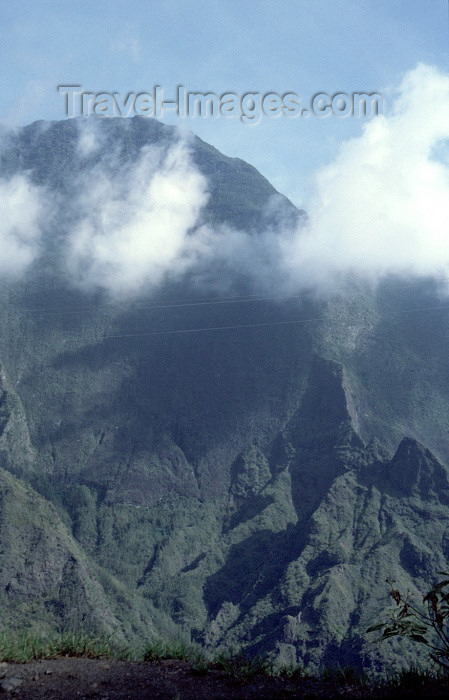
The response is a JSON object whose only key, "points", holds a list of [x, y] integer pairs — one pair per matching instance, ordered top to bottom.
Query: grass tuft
{"points": [[28, 646], [177, 650], [241, 666], [344, 675]]}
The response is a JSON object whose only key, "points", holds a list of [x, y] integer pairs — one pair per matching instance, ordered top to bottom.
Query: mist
{"points": [[382, 206], [22, 208], [132, 224]]}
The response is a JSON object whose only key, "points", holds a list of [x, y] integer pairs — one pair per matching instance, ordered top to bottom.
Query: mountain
{"points": [[250, 486]]}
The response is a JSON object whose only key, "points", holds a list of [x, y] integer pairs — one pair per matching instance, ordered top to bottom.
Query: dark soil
{"points": [[68, 678]]}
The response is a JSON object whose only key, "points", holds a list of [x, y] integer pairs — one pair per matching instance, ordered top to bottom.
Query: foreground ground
{"points": [[92, 678]]}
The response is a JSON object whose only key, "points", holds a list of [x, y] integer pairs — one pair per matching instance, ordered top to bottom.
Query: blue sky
{"points": [[302, 46]]}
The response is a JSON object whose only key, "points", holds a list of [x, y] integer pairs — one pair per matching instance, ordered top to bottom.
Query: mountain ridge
{"points": [[251, 487]]}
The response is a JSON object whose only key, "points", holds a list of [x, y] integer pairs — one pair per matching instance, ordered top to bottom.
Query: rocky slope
{"points": [[251, 487]]}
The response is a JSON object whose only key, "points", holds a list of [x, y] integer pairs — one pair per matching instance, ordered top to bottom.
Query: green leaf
{"points": [[440, 585], [403, 613], [376, 628], [390, 633], [419, 638]]}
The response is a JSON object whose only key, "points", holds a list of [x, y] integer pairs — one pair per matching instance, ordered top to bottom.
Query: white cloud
{"points": [[90, 138], [383, 205], [21, 213], [134, 229]]}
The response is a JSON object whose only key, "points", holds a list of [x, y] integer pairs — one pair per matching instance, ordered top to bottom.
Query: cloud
{"points": [[89, 140], [382, 207], [21, 216], [134, 222], [133, 231]]}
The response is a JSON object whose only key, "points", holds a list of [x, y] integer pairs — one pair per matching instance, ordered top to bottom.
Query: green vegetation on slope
{"points": [[239, 489]]}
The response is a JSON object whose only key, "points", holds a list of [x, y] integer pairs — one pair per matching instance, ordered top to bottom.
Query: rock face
{"points": [[415, 471], [246, 487], [46, 580]]}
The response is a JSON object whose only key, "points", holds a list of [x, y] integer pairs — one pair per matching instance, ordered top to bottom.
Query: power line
{"points": [[213, 301], [174, 304], [257, 325], [213, 328]]}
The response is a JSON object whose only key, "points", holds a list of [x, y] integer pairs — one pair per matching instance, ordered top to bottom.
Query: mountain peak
{"points": [[414, 470]]}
